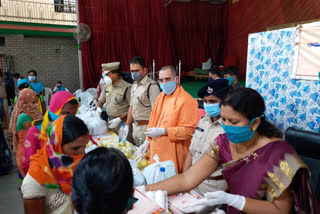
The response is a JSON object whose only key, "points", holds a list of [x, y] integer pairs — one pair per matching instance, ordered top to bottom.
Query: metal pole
{"points": [[79, 47], [154, 70], [179, 70]]}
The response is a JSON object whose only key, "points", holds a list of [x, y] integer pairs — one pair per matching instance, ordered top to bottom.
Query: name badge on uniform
{"points": [[119, 94], [200, 129]]}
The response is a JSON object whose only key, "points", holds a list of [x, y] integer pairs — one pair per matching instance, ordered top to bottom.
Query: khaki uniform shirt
{"points": [[117, 98], [140, 101], [205, 133]]}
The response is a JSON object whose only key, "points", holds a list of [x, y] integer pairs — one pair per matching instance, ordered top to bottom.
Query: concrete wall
{"points": [[53, 58]]}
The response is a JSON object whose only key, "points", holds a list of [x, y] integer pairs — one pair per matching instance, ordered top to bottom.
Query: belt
{"points": [[141, 122]]}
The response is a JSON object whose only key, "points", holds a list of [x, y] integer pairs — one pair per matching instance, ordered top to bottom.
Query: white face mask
{"points": [[107, 80], [101, 82]]}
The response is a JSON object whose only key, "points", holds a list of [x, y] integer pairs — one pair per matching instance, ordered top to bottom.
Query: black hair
{"points": [[138, 60], [232, 70], [216, 71], [35, 73], [16, 75], [126, 76], [59, 82], [23, 85], [73, 102], [249, 103], [73, 127], [102, 182]]}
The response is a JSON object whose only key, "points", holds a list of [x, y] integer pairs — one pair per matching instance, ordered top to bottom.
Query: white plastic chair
{"points": [[92, 91], [77, 93], [47, 96], [85, 98]]}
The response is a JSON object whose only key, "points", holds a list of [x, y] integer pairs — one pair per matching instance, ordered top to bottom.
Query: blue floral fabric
{"points": [[289, 102]]}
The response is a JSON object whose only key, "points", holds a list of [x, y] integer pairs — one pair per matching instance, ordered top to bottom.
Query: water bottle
{"points": [[122, 134], [162, 175]]}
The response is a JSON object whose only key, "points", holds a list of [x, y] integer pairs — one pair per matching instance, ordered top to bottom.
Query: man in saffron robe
{"points": [[172, 121]]}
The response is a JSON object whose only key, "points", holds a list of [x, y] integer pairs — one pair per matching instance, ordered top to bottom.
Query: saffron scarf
{"points": [[49, 166]]}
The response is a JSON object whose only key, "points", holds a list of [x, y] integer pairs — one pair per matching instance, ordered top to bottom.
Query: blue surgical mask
{"points": [[32, 78], [231, 80], [168, 88], [213, 110], [239, 134]]}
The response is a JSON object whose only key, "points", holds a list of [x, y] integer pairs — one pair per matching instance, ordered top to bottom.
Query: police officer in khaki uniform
{"points": [[144, 93], [116, 94], [209, 127]]}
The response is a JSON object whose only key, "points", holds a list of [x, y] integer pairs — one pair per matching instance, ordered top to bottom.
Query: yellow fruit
{"points": [[122, 144], [127, 155], [145, 155], [144, 163], [139, 165]]}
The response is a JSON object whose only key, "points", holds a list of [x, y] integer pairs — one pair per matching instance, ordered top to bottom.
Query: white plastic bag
{"points": [[207, 65], [83, 109], [95, 124], [99, 126], [152, 172], [138, 178], [160, 197]]}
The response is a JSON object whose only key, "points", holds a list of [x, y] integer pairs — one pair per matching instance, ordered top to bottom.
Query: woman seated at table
{"points": [[264, 174], [103, 183], [47, 185]]}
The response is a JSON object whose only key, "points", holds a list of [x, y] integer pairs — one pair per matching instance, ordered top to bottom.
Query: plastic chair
{"points": [[92, 91], [77, 93], [47, 97], [85, 98]]}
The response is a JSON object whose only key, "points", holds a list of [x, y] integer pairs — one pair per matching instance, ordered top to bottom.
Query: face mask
{"points": [[136, 76], [32, 78], [210, 79], [107, 80], [231, 80], [101, 82], [58, 85], [168, 88], [213, 110], [239, 134]]}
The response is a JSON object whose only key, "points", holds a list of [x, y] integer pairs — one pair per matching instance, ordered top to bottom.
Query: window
{"points": [[64, 6]]}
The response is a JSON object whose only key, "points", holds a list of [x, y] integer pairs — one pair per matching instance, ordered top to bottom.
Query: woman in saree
{"points": [[61, 103], [24, 112], [263, 173], [47, 185]]}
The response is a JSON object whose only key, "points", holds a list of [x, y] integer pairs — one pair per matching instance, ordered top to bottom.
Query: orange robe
{"points": [[178, 114]]}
